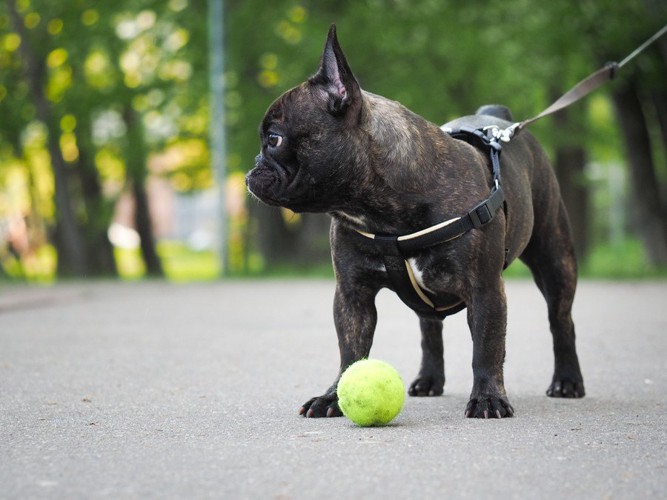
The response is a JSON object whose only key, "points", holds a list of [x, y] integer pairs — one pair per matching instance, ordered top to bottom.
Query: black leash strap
{"points": [[584, 87], [580, 90]]}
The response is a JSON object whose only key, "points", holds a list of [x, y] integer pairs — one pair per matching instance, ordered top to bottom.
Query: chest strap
{"points": [[397, 249]]}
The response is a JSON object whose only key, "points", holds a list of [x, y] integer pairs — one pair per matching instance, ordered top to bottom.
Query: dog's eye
{"points": [[274, 140]]}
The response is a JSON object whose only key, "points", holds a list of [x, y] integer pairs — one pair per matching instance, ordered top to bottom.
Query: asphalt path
{"points": [[151, 390]]}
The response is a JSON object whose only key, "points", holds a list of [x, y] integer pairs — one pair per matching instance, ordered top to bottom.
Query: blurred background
{"points": [[107, 128]]}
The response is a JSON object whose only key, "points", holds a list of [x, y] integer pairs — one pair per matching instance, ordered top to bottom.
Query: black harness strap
{"points": [[397, 249]]}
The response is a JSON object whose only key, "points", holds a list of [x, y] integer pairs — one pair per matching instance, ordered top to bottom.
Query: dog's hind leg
{"points": [[550, 256], [431, 378]]}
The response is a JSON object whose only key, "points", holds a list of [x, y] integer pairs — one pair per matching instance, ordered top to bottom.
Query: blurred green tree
{"points": [[110, 84], [90, 93]]}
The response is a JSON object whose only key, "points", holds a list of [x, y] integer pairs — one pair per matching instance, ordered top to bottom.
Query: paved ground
{"points": [[160, 391]]}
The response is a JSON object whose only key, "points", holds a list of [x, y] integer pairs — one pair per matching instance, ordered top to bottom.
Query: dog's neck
{"points": [[403, 147], [410, 170]]}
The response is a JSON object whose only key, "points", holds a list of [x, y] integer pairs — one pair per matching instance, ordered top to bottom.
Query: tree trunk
{"points": [[658, 101], [136, 160], [570, 164], [651, 213], [144, 223], [273, 238], [303, 243], [72, 259], [101, 260]]}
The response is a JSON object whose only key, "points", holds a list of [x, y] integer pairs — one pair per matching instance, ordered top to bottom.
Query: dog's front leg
{"points": [[355, 317], [487, 318]]}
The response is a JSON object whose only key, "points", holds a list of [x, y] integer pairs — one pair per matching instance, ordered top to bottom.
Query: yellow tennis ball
{"points": [[371, 393]]}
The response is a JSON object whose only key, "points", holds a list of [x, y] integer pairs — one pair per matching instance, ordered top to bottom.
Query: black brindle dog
{"points": [[377, 168]]}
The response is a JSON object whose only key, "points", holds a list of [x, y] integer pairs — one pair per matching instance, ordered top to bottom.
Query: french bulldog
{"points": [[378, 168]]}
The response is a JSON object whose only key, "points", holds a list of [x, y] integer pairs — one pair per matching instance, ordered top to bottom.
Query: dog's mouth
{"points": [[271, 182]]}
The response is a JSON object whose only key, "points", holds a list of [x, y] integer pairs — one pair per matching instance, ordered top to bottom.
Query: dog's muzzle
{"points": [[267, 181]]}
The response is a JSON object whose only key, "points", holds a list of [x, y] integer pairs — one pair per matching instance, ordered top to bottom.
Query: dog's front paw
{"points": [[426, 386], [566, 387], [321, 406], [489, 407]]}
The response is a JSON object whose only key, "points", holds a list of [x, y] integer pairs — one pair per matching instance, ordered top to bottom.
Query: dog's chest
{"points": [[418, 273], [424, 279], [431, 282]]}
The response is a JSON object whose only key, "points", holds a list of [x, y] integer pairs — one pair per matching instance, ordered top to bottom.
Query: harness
{"points": [[397, 249]]}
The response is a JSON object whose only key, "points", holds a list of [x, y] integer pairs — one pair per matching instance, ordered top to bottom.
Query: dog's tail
{"points": [[496, 110]]}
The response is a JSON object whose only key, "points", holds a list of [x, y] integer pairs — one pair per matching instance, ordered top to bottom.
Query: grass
{"points": [[623, 261], [182, 264]]}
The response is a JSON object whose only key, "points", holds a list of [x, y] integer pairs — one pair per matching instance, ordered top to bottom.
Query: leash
{"points": [[583, 88]]}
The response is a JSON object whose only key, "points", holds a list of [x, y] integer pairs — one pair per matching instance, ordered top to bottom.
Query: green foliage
{"points": [[99, 58], [440, 58], [119, 88], [625, 260], [183, 264]]}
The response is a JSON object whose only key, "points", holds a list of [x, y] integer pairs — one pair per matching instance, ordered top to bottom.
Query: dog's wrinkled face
{"points": [[306, 136], [285, 174]]}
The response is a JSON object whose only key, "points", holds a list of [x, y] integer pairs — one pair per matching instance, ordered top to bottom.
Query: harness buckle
{"points": [[496, 135], [481, 215], [389, 244]]}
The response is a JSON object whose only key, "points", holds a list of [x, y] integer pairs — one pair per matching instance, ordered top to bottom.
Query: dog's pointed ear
{"points": [[336, 79]]}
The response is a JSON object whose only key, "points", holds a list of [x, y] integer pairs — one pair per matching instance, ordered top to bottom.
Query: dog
{"points": [[379, 169]]}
